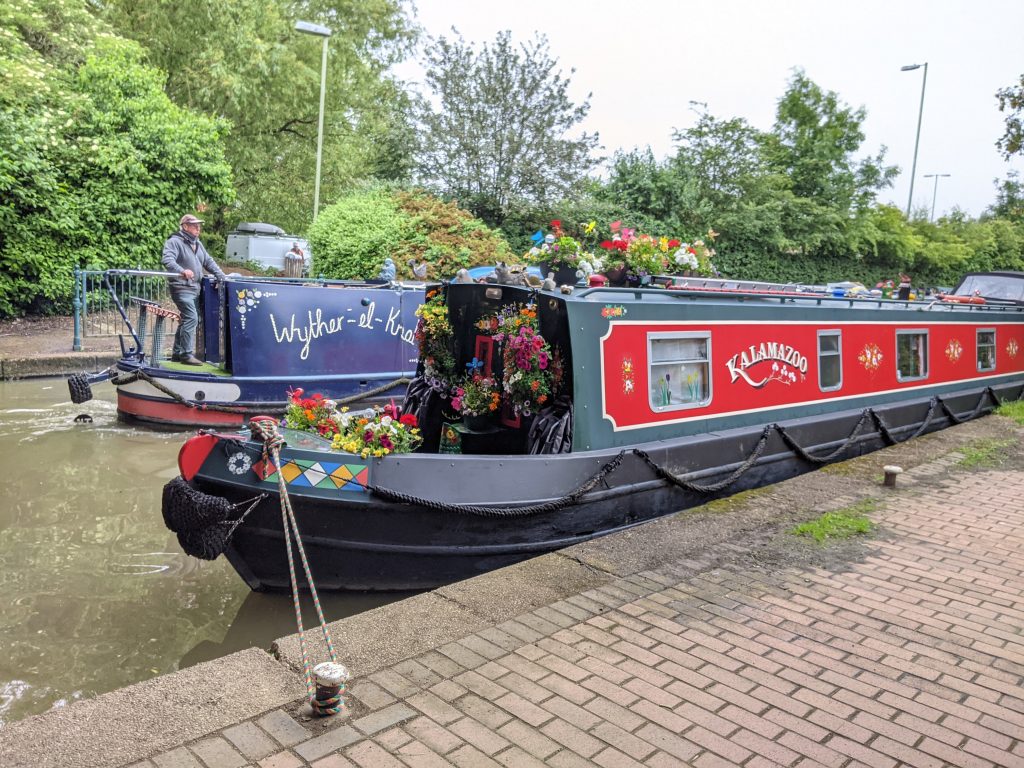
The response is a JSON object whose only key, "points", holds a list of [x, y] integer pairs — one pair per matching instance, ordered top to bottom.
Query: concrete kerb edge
{"points": [[13, 368]]}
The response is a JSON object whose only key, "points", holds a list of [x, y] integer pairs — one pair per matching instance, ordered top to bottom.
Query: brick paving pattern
{"points": [[912, 656]]}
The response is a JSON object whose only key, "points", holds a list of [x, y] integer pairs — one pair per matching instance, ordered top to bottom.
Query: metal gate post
{"points": [[76, 343]]}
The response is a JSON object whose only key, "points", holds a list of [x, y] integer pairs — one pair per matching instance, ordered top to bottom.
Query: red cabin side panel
{"points": [[754, 366]]}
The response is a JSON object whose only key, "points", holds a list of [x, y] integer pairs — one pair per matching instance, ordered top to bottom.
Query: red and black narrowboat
{"points": [[664, 398]]}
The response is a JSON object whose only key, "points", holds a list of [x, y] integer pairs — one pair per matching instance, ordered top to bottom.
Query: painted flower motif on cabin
{"points": [[248, 300], [613, 310], [1012, 348], [954, 350], [870, 357], [782, 373], [628, 383], [239, 463]]}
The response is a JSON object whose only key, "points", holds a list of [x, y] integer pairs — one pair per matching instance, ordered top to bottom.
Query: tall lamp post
{"points": [[325, 33], [917, 141], [935, 190]]}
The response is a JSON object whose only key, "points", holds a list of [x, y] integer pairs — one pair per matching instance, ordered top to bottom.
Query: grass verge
{"points": [[1014, 410], [984, 453], [841, 524]]}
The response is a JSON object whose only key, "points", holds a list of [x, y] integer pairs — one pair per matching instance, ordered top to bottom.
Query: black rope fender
{"points": [[868, 414]]}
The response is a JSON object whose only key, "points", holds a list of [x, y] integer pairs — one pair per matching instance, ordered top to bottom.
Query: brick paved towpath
{"points": [[753, 650]]}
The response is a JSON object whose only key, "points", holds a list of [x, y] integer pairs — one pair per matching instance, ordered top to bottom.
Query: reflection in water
{"points": [[94, 592]]}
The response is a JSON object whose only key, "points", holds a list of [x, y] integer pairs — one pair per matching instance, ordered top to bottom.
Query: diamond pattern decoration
{"points": [[265, 470], [303, 473]]}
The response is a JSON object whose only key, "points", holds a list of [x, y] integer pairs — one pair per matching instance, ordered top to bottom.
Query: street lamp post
{"points": [[325, 33], [917, 141], [935, 190]]}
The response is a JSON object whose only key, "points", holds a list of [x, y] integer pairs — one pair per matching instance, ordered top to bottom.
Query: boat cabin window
{"points": [[986, 349], [911, 355], [830, 360], [678, 372]]}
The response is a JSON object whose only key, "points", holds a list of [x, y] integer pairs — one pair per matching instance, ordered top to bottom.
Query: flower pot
{"points": [[564, 274], [616, 276], [478, 422]]}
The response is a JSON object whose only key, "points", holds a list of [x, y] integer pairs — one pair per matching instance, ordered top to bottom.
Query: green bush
{"points": [[96, 163], [351, 238]]}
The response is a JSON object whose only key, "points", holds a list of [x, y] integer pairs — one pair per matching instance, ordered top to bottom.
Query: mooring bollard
{"points": [[890, 475], [330, 684]]}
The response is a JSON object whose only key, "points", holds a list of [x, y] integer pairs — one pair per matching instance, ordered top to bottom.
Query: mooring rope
{"points": [[119, 379], [265, 429]]}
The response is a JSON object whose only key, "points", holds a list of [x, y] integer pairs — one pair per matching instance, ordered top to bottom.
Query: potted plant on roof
{"points": [[556, 253]]}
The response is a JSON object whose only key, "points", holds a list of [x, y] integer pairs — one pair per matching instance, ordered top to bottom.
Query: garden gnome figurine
{"points": [[387, 272], [462, 276], [549, 282]]}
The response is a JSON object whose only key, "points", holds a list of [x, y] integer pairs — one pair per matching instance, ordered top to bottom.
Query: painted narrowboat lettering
{"points": [[366, 319], [316, 328], [395, 328], [766, 351]]}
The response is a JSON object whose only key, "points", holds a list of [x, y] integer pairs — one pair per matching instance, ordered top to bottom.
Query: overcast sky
{"points": [[644, 61]]}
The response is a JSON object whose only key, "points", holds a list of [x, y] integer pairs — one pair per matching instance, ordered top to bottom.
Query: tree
{"points": [[242, 60], [1011, 101], [497, 130], [815, 137], [96, 163], [1009, 202]]}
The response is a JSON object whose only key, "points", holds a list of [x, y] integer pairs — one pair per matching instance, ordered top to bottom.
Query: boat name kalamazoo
{"points": [[317, 327], [766, 350]]}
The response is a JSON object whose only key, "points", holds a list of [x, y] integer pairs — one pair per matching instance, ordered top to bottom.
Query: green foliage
{"points": [[243, 61], [1011, 101], [499, 133], [96, 163], [351, 238], [1014, 410], [985, 453], [841, 524]]}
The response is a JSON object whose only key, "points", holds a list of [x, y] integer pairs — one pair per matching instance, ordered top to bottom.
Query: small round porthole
{"points": [[200, 396]]}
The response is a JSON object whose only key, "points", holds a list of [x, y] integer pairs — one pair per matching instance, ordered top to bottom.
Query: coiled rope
{"points": [[120, 379], [866, 416], [265, 430]]}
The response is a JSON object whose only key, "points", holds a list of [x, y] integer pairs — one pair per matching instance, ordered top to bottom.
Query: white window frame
{"points": [[705, 336], [977, 348], [838, 354], [926, 367]]}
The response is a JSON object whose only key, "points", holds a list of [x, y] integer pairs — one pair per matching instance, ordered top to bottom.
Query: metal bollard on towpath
{"points": [[330, 679]]}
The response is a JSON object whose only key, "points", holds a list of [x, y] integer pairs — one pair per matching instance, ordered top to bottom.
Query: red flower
{"points": [[556, 224], [673, 243], [607, 245], [409, 420]]}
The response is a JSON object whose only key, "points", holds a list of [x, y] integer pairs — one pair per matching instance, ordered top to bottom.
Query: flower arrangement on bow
{"points": [[435, 339], [528, 374], [476, 395], [314, 414], [387, 430]]}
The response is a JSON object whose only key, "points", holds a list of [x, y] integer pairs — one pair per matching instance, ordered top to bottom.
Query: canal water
{"points": [[95, 592]]}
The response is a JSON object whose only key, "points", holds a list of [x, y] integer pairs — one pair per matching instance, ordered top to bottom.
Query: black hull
{"points": [[378, 544]]}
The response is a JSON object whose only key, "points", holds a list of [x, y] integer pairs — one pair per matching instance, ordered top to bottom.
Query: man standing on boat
{"points": [[186, 256]]}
